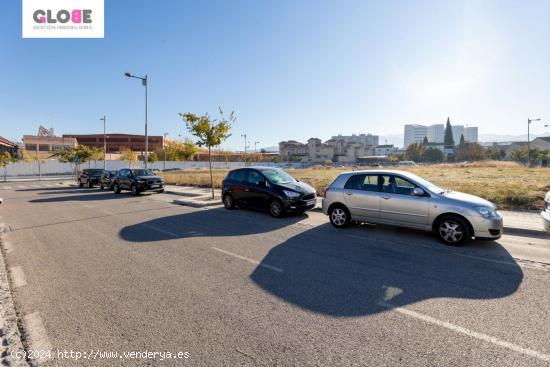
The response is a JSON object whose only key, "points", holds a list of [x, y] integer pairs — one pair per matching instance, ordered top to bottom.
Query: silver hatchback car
{"points": [[404, 199]]}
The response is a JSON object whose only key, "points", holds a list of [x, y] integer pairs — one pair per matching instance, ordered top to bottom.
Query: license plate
{"points": [[154, 186], [311, 202]]}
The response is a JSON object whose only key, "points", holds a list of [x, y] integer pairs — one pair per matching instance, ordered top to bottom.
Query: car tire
{"points": [[80, 184], [90, 184], [101, 187], [110, 187], [116, 188], [135, 190], [161, 191], [228, 202], [275, 208], [339, 216], [452, 230]]}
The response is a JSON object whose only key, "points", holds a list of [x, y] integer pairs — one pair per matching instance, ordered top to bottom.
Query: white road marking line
{"points": [[6, 187], [21, 187], [161, 230], [267, 266], [18, 276], [471, 333], [37, 337]]}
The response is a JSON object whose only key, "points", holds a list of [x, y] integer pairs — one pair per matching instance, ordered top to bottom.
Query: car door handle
{"points": [[349, 193], [386, 197]]}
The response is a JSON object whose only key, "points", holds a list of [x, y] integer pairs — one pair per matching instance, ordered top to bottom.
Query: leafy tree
{"points": [[209, 132], [448, 140], [425, 141], [462, 141], [180, 150], [415, 152], [495, 153], [96, 154], [129, 155], [433, 155], [32, 156], [153, 157], [5, 159]]}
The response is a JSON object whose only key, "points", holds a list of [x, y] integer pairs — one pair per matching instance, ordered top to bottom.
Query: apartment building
{"points": [[436, 133]]}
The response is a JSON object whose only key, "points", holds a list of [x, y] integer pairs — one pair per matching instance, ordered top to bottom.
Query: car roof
{"points": [[381, 172]]}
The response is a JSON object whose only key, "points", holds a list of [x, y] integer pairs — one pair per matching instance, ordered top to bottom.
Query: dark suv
{"points": [[90, 177], [106, 180], [137, 180], [267, 188]]}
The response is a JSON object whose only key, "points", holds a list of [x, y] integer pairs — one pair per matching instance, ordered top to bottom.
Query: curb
{"points": [[196, 203], [526, 232], [10, 337]]}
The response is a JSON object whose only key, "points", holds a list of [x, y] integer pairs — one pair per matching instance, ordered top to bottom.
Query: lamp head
{"points": [[129, 75]]}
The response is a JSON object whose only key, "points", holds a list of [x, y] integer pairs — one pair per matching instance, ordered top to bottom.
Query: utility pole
{"points": [[145, 84], [528, 141], [244, 157]]}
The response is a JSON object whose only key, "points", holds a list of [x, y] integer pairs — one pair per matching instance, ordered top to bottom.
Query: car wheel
{"points": [[80, 184], [90, 184], [101, 187], [110, 187], [116, 189], [134, 190], [161, 191], [228, 202], [275, 208], [339, 216], [453, 231]]}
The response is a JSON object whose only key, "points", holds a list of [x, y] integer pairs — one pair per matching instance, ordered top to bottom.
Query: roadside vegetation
{"points": [[507, 184]]}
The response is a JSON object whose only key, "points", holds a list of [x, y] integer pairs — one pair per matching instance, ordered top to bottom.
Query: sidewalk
{"points": [[528, 223]]}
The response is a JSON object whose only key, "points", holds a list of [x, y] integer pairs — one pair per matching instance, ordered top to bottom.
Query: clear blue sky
{"points": [[290, 69]]}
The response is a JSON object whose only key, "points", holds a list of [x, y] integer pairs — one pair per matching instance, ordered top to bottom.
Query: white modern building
{"points": [[436, 133], [415, 134], [365, 139]]}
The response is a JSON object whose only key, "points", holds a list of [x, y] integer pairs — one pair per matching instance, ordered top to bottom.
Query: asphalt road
{"points": [[94, 271]]}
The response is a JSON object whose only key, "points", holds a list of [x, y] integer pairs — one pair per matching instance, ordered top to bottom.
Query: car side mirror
{"points": [[417, 191]]}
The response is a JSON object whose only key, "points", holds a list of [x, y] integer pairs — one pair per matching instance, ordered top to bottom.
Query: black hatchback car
{"points": [[90, 177], [106, 180], [137, 180], [267, 188]]}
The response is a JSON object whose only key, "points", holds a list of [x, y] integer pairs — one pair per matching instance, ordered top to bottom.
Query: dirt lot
{"points": [[509, 185]]}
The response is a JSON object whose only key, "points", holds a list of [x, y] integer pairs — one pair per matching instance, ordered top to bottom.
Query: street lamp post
{"points": [[144, 82], [528, 141], [104, 144]]}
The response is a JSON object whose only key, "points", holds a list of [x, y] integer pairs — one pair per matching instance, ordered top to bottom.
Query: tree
{"points": [[209, 133], [448, 140], [425, 141], [462, 141], [180, 150], [415, 152], [96, 154], [129, 155], [433, 155], [32, 156], [76, 156], [153, 157], [5, 159]]}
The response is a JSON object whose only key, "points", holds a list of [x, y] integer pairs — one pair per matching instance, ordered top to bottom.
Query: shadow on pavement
{"points": [[48, 189], [99, 195], [212, 222], [328, 273]]}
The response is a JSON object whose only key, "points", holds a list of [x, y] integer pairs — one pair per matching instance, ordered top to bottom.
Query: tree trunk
{"points": [[210, 165]]}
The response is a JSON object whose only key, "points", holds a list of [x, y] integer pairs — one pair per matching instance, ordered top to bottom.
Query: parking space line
{"points": [[161, 230], [267, 266], [18, 276], [462, 330], [37, 336]]}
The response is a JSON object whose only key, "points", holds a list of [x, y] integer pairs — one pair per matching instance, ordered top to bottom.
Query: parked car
{"points": [[90, 177], [106, 180], [137, 181], [267, 188], [404, 199], [546, 212]]}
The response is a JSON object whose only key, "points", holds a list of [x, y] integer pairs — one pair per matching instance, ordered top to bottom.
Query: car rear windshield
{"points": [[94, 171], [142, 172], [277, 176]]}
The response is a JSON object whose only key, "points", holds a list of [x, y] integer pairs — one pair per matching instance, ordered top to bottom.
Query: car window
{"points": [[240, 175], [277, 176], [255, 177], [362, 182], [396, 185]]}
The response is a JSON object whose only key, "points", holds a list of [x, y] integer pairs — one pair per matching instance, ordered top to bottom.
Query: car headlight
{"points": [[291, 194], [486, 212]]}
